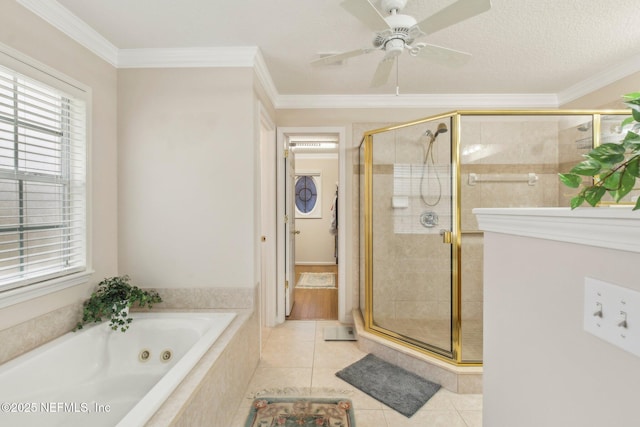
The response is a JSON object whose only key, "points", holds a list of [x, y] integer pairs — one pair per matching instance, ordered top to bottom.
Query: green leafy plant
{"points": [[614, 167], [112, 300]]}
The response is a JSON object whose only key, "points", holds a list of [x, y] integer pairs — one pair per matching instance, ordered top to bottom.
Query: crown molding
{"points": [[60, 17], [238, 56], [188, 57], [264, 77], [599, 80], [453, 101], [605, 227]]}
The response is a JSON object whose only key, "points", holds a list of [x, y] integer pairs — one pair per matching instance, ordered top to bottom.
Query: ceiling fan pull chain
{"points": [[397, 83]]}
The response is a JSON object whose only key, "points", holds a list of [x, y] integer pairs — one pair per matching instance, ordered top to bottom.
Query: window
{"points": [[42, 181], [308, 195]]}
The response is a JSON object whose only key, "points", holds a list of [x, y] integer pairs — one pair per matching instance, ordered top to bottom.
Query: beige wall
{"points": [[25, 32], [186, 177], [314, 244], [540, 367]]}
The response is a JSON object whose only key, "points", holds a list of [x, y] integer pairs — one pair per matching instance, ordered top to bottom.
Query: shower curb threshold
{"points": [[458, 379]]}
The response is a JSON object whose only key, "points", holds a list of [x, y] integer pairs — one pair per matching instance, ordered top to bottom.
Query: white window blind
{"points": [[42, 182]]}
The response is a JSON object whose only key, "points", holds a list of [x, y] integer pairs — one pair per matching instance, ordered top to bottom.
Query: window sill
{"points": [[18, 295]]}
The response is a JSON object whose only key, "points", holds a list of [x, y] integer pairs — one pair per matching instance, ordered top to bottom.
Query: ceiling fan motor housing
{"points": [[401, 32]]}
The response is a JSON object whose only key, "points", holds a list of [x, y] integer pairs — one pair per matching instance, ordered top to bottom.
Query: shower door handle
{"points": [[446, 236]]}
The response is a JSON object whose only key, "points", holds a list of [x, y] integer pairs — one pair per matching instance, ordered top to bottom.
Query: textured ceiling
{"points": [[519, 46]]}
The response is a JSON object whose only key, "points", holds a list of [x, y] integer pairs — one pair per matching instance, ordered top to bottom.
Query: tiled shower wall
{"points": [[410, 262]]}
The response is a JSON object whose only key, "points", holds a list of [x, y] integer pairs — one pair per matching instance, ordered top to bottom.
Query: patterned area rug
{"points": [[317, 280], [299, 411]]}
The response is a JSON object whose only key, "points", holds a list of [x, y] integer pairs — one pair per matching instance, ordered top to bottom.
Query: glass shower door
{"points": [[412, 219]]}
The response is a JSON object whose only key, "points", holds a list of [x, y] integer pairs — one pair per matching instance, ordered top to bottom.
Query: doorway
{"points": [[307, 154], [315, 186]]}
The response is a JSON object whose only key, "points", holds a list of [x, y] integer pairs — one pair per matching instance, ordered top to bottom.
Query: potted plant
{"points": [[613, 166], [112, 299]]}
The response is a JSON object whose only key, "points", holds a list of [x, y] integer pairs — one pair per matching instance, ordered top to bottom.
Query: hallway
{"points": [[315, 304]]}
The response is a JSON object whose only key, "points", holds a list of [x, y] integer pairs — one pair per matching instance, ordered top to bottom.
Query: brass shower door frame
{"points": [[369, 324], [455, 356]]}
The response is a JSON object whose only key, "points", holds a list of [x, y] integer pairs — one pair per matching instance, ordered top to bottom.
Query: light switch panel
{"points": [[612, 313]]}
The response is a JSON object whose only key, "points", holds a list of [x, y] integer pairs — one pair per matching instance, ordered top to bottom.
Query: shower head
{"points": [[442, 128]]}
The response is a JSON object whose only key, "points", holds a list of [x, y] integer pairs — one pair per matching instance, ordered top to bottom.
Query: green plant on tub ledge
{"points": [[613, 166], [112, 300]]}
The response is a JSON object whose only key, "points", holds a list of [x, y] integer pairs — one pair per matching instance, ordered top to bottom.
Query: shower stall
{"points": [[420, 247]]}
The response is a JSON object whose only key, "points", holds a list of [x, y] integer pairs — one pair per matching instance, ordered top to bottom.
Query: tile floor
{"points": [[295, 355]]}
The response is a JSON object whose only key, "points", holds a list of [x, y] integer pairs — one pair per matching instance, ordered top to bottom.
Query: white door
{"points": [[290, 231]]}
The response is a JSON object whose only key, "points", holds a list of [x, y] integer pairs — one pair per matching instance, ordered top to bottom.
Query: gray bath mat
{"points": [[397, 388]]}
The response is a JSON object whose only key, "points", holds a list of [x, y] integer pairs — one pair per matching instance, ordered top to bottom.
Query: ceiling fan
{"points": [[397, 32]]}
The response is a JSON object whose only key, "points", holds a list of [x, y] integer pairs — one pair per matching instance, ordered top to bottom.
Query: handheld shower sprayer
{"points": [[442, 128]]}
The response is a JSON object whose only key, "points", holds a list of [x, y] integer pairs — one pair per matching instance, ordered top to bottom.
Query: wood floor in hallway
{"points": [[315, 304]]}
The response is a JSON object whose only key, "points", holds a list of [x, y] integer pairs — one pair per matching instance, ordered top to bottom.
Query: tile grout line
{"points": [[313, 358], [462, 418], [386, 420]]}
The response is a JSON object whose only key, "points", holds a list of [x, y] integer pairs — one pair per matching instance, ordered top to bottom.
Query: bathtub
{"points": [[101, 377]]}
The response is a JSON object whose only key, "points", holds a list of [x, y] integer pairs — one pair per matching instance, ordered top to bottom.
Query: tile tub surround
{"points": [[202, 298], [35, 332], [223, 371], [458, 379], [214, 388], [212, 391]]}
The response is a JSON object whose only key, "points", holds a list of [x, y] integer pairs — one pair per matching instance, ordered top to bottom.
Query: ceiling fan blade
{"points": [[366, 13], [452, 14], [443, 55], [331, 59], [383, 71]]}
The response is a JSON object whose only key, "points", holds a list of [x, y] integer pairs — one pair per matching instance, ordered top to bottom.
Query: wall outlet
{"points": [[612, 313]]}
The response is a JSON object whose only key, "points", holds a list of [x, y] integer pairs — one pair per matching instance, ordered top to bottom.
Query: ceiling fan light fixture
{"points": [[393, 48]]}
